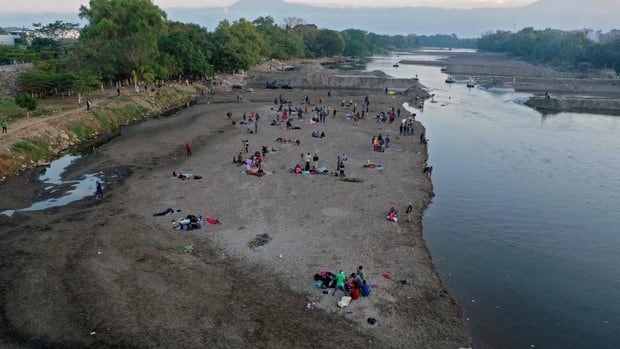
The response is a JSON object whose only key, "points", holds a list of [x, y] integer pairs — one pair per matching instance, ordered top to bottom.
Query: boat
{"points": [[395, 65], [444, 69], [449, 80], [471, 83]]}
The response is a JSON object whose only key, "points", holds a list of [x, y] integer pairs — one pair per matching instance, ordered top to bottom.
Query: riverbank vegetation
{"points": [[131, 42], [573, 49]]}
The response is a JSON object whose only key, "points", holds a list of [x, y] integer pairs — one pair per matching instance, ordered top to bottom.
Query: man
{"points": [[4, 125], [188, 148], [308, 159], [340, 279]]}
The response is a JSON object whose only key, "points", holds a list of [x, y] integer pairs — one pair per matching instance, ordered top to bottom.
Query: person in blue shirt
{"points": [[365, 290]]}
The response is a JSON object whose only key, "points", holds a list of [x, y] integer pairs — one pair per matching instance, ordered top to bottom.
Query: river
{"points": [[525, 225]]}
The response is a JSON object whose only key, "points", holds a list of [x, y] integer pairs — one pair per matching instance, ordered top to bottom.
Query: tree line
{"points": [[132, 40], [573, 49]]}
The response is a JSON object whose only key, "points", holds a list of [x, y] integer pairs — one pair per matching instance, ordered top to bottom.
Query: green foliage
{"points": [[121, 37], [444, 40], [280, 43], [356, 43], [239, 45], [555, 47], [45, 48], [180, 51], [11, 54], [26, 101], [82, 131], [38, 149]]}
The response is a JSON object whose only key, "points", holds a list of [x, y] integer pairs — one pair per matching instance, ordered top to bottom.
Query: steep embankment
{"points": [[36, 140]]}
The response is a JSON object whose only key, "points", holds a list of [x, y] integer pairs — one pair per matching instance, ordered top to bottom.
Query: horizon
{"points": [[35, 7], [413, 19]]}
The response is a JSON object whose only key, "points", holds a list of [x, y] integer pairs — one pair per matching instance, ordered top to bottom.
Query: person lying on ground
{"points": [[258, 172], [166, 212], [190, 222]]}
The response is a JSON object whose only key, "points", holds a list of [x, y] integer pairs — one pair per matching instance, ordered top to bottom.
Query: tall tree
{"points": [[121, 36], [239, 45]]}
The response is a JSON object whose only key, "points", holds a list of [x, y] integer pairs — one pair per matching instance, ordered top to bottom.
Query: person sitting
{"points": [[238, 159], [297, 169], [392, 215], [365, 289]]}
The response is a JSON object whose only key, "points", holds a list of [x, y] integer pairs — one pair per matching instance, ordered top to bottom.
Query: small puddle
{"points": [[64, 192]]}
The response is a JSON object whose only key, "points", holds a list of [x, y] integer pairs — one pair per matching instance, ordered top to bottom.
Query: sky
{"points": [[40, 6]]}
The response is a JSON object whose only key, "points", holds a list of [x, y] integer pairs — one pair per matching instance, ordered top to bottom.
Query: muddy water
{"points": [[524, 228]]}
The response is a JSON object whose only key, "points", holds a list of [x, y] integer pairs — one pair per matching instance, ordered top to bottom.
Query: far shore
{"points": [[593, 91]]}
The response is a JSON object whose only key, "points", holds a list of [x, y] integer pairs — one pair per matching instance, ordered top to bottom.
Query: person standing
{"points": [[88, 104], [4, 125], [256, 125], [188, 148], [308, 159], [315, 159], [99, 191], [409, 211], [340, 279]]}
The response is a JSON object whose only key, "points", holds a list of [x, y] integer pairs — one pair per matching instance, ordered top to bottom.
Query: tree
{"points": [[121, 37], [280, 43], [329, 43], [356, 43], [239, 45], [183, 51], [26, 101]]}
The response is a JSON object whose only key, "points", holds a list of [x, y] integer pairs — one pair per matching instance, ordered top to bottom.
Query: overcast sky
{"points": [[39, 6]]}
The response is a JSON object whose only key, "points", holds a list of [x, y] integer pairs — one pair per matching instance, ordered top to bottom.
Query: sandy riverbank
{"points": [[583, 91], [104, 273]]}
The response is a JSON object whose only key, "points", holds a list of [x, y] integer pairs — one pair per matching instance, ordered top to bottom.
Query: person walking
{"points": [[4, 125], [188, 148]]}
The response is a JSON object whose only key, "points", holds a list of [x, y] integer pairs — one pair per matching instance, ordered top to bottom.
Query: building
{"points": [[8, 40]]}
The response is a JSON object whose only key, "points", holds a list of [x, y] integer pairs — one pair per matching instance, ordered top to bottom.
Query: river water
{"points": [[525, 225]]}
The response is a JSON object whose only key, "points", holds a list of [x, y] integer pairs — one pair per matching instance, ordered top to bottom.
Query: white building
{"points": [[8, 40]]}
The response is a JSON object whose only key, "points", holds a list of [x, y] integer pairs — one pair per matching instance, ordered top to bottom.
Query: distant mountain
{"points": [[559, 14], [22, 19]]}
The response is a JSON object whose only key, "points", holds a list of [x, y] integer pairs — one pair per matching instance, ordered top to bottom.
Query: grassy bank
{"points": [[60, 124]]}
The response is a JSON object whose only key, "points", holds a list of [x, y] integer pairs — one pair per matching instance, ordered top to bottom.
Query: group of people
{"points": [[406, 125], [379, 143], [354, 286]]}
